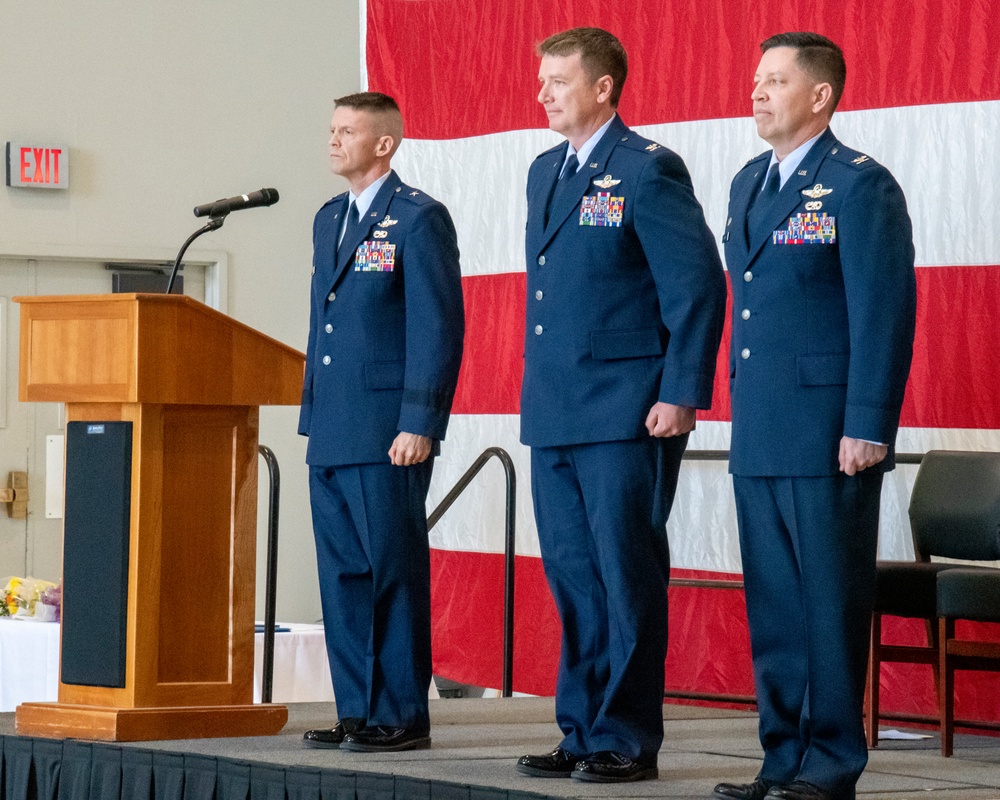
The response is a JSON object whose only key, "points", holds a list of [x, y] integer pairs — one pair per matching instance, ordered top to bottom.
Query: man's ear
{"points": [[604, 86], [823, 98], [385, 145]]}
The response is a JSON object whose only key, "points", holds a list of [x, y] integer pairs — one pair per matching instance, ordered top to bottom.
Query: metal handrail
{"points": [[274, 475], [509, 542]]}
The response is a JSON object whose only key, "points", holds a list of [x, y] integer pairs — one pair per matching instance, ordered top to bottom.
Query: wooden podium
{"points": [[169, 652]]}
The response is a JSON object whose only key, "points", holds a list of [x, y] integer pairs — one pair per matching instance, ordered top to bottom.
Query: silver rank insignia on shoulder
{"points": [[651, 147], [859, 160], [607, 182], [816, 192], [414, 193], [814, 205], [387, 222], [380, 234]]}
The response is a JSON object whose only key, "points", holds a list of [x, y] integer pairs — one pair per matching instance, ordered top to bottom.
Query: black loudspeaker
{"points": [[95, 552]]}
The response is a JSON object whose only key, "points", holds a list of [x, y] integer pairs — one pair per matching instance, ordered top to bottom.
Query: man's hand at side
{"points": [[665, 419], [409, 448], [857, 455]]}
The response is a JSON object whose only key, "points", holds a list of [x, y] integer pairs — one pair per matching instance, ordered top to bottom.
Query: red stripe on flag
{"points": [[470, 69], [493, 359], [953, 380], [952, 383], [467, 614], [709, 641]]}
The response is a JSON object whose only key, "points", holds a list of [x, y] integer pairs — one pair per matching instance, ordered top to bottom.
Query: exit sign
{"points": [[37, 166]]}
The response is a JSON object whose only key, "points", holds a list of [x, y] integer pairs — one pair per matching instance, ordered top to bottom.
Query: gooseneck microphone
{"points": [[264, 197], [217, 212]]}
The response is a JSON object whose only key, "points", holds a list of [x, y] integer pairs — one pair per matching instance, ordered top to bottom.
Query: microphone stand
{"points": [[213, 224]]}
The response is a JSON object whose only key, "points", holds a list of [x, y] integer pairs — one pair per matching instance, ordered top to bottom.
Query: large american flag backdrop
{"points": [[923, 97]]}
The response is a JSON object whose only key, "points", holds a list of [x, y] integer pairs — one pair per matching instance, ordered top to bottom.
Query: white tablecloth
{"points": [[29, 664], [301, 667]]}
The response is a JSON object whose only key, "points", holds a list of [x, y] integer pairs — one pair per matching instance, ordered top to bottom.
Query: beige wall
{"points": [[168, 105]]}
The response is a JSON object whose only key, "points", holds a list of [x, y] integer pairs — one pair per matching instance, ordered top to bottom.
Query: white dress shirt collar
{"points": [[588, 146], [790, 163], [364, 200]]}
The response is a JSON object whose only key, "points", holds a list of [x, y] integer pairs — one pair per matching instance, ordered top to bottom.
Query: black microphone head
{"points": [[263, 197]]}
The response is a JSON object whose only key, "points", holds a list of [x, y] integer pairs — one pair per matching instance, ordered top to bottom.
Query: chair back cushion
{"points": [[955, 505]]}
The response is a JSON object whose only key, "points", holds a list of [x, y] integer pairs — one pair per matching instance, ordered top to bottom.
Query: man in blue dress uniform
{"points": [[819, 248], [626, 299], [385, 344]]}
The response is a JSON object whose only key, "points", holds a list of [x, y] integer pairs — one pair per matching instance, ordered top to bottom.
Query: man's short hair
{"points": [[600, 54], [820, 58], [368, 101], [384, 108]]}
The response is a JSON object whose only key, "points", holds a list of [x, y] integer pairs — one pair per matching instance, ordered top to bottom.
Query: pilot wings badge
{"points": [[607, 182], [816, 192], [387, 222]]}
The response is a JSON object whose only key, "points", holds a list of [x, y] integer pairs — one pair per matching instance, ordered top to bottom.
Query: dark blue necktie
{"points": [[568, 171], [762, 202], [351, 227]]}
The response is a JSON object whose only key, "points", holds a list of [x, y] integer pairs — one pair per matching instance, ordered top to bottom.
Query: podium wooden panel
{"points": [[190, 381]]}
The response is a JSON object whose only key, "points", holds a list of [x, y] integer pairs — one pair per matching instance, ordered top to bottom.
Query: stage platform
{"points": [[475, 745]]}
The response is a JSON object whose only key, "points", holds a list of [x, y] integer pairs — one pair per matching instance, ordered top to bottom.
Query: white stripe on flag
{"points": [[942, 155]]}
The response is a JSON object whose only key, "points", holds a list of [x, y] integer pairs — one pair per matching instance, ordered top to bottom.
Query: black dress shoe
{"points": [[332, 737], [381, 739], [557, 764], [607, 766], [799, 790], [742, 791]]}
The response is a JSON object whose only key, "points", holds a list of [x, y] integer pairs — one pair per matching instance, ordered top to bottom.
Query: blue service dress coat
{"points": [[626, 294], [824, 304], [625, 306], [385, 330], [385, 344]]}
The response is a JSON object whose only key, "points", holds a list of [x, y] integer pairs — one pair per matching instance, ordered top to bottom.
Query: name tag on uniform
{"points": [[601, 210], [807, 229], [375, 257]]}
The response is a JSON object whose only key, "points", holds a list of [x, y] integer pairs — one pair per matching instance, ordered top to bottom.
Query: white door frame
{"points": [[215, 262]]}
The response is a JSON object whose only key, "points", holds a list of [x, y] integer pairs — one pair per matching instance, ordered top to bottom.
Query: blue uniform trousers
{"points": [[601, 511], [370, 525], [808, 546]]}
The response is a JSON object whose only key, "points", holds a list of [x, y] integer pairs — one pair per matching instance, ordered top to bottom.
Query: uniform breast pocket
{"points": [[602, 210], [807, 228], [375, 257]]}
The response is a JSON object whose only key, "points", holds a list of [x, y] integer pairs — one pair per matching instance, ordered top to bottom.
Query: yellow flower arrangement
{"points": [[20, 596]]}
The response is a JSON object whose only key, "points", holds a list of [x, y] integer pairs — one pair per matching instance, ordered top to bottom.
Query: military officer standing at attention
{"points": [[820, 254], [626, 299], [385, 343]]}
